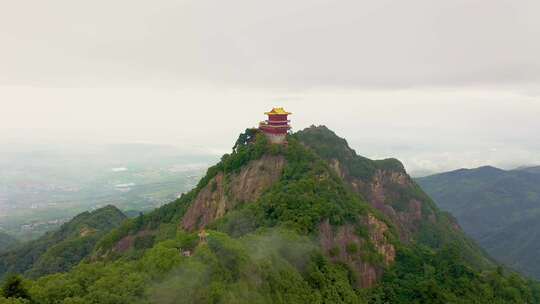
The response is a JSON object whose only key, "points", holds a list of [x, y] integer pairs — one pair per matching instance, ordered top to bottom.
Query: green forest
{"points": [[498, 208]]}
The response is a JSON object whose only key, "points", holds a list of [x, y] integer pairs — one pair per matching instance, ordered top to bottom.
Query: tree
{"points": [[13, 288]]}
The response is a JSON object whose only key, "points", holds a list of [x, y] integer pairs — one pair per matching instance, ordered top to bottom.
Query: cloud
{"points": [[287, 44], [409, 79]]}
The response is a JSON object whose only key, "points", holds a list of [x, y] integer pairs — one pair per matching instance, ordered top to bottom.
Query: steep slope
{"points": [[263, 185], [388, 188], [225, 192], [498, 208], [285, 224], [6, 241], [517, 245], [60, 250]]}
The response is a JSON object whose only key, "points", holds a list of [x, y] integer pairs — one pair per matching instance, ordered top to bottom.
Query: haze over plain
{"points": [[396, 79]]}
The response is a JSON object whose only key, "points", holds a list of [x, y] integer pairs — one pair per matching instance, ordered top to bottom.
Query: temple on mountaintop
{"points": [[277, 125]]}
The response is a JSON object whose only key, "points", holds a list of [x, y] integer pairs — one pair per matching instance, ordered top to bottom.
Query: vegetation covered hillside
{"points": [[388, 188], [498, 208], [281, 224], [6, 241], [60, 250]]}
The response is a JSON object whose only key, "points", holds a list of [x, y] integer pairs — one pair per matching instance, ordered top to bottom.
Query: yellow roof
{"points": [[278, 111]]}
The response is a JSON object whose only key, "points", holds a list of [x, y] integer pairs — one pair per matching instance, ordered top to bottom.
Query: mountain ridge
{"points": [[531, 169], [369, 181], [389, 189], [498, 208], [308, 221], [58, 251]]}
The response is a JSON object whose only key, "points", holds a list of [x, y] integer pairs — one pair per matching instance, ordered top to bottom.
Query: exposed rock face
{"points": [[383, 191], [223, 192], [85, 231], [377, 231], [128, 241], [342, 244]]}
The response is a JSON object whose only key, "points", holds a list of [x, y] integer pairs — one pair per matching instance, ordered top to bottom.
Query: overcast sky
{"points": [[438, 84]]}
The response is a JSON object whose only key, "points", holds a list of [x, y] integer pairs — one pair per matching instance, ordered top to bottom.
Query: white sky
{"points": [[438, 84]]}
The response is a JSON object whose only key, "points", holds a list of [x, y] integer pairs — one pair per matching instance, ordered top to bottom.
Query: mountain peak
{"points": [[330, 146], [489, 168], [479, 171]]}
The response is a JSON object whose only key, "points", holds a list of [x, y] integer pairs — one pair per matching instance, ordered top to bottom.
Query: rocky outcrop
{"points": [[386, 191], [224, 192], [86, 231], [377, 236], [128, 241], [343, 244]]}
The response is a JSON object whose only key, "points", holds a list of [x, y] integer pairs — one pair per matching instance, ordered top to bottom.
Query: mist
{"points": [[398, 80], [430, 130]]}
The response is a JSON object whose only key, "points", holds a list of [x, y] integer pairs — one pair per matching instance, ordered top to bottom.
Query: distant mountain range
{"points": [[535, 169], [499, 208]]}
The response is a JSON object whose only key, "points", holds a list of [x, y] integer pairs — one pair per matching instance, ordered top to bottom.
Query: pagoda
{"points": [[277, 125]]}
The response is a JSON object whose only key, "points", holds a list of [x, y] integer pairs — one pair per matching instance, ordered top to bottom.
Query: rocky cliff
{"points": [[387, 187], [224, 192], [359, 211], [363, 243], [367, 254]]}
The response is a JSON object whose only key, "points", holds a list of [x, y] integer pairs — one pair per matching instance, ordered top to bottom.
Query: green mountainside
{"points": [[388, 188], [499, 209], [306, 222], [6, 241], [60, 250]]}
